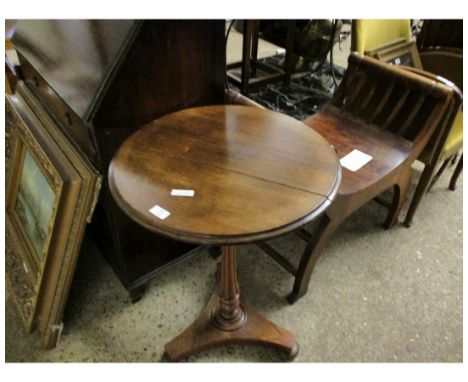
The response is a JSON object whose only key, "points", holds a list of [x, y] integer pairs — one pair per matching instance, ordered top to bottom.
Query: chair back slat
{"points": [[357, 84], [373, 92], [391, 98], [381, 101], [400, 101], [412, 116], [436, 144]]}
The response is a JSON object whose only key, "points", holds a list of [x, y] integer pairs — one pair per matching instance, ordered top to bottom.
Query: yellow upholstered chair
{"points": [[369, 34]]}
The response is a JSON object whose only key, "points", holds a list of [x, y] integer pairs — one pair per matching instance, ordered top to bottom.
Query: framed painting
{"points": [[388, 45], [399, 52], [51, 192]]}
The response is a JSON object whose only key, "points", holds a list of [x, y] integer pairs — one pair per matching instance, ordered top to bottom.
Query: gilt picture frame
{"points": [[399, 52], [51, 190], [29, 218]]}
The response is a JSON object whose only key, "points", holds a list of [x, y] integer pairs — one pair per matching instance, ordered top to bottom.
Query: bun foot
{"points": [[293, 353]]}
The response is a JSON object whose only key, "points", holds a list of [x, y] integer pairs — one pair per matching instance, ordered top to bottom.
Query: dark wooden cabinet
{"points": [[101, 79]]}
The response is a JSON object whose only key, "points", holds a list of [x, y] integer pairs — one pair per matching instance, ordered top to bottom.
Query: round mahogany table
{"points": [[256, 174]]}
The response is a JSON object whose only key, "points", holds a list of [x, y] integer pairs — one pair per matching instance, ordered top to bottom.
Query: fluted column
{"points": [[229, 314]]}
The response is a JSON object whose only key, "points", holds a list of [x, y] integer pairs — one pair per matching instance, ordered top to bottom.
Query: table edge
{"points": [[226, 239]]}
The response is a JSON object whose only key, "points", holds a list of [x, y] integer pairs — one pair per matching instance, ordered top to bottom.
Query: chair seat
{"points": [[346, 133]]}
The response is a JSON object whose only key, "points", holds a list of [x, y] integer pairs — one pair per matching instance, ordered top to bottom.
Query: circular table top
{"points": [[255, 173]]}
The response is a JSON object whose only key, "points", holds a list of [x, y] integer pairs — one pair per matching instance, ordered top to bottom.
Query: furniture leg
{"points": [[246, 51], [289, 51], [254, 54], [454, 159], [439, 173], [456, 173], [419, 193], [399, 197], [310, 256], [136, 293], [228, 319]]}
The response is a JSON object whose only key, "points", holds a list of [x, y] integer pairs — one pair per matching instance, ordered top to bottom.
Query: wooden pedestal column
{"points": [[228, 319]]}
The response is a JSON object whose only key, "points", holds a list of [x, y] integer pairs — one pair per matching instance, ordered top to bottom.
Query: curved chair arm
{"points": [[446, 62], [435, 77], [457, 103]]}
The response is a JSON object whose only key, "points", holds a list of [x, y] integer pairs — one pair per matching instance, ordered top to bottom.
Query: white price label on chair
{"points": [[355, 160]]}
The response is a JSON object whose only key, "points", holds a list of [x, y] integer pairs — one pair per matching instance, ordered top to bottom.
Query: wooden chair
{"points": [[440, 51], [445, 61], [386, 112], [442, 149]]}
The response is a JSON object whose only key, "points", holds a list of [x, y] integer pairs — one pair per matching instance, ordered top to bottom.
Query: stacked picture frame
{"points": [[397, 52], [51, 191]]}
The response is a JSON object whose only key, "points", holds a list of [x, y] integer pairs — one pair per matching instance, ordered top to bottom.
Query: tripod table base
{"points": [[228, 319], [203, 335]]}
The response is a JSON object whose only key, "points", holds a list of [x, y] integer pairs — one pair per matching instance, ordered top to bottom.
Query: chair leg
{"points": [[454, 158], [439, 173], [456, 173], [400, 190], [418, 193], [310, 256]]}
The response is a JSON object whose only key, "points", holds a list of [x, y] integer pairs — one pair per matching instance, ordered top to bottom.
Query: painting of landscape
{"points": [[35, 205]]}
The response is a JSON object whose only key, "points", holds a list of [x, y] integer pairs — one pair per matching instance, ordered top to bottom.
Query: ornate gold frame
{"points": [[27, 266], [40, 288]]}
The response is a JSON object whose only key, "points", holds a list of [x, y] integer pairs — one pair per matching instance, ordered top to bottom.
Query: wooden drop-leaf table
{"points": [[256, 174]]}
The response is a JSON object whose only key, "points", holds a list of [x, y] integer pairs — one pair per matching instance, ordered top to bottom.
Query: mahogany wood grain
{"points": [[173, 64], [393, 132], [388, 150], [434, 152], [256, 174], [456, 174], [243, 325]]}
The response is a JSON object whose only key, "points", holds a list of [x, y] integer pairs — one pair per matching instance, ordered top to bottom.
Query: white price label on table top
{"points": [[180, 192], [159, 212]]}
